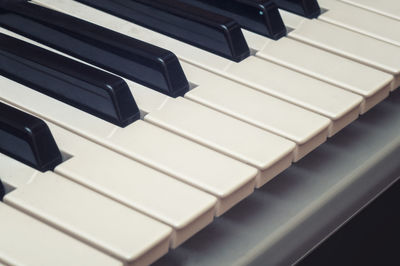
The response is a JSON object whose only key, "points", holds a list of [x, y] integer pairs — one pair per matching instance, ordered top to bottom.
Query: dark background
{"points": [[371, 238]]}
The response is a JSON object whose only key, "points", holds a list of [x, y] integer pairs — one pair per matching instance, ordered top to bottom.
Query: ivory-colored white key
{"points": [[389, 8], [361, 20], [355, 46], [372, 84], [240, 102], [333, 102], [305, 128], [222, 133], [226, 178], [186, 209], [117, 230], [27, 241]]}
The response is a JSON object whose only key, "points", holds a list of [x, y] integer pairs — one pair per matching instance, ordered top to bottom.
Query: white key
{"points": [[390, 8], [361, 20], [346, 43], [370, 83], [232, 98], [333, 102], [305, 128], [222, 133], [226, 178], [186, 209], [98, 221], [26, 241]]}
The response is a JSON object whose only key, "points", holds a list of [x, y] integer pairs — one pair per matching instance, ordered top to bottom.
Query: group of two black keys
{"points": [[214, 26]]}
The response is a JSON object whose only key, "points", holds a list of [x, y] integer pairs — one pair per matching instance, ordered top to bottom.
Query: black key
{"points": [[305, 8], [259, 16], [198, 27], [144, 63], [84, 87], [27, 139], [2, 190]]}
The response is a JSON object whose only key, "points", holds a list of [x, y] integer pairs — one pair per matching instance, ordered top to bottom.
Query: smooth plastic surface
{"points": [[305, 8], [389, 8], [259, 16], [360, 20], [184, 22], [128, 57], [89, 89], [333, 102], [27, 139], [96, 220], [27, 241]]}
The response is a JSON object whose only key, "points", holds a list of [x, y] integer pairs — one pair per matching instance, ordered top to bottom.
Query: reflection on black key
{"points": [[305, 8], [259, 16], [198, 27], [144, 63], [89, 89], [27, 139], [2, 190]]}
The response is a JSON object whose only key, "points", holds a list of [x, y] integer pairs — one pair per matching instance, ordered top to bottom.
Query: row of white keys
{"points": [[389, 8], [361, 20], [355, 46], [373, 85], [340, 106], [307, 129], [267, 152], [227, 179], [186, 209], [118, 231], [27, 241]]}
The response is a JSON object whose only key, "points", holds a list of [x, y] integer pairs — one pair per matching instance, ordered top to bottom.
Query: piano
{"points": [[198, 132]]}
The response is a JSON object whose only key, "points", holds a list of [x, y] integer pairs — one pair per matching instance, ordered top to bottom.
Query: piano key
{"points": [[306, 8], [389, 8], [260, 16], [361, 21], [187, 23], [352, 45], [142, 62], [280, 82], [372, 84], [86, 88], [230, 97], [216, 127], [305, 128], [27, 139], [152, 146], [2, 190], [161, 197], [183, 207], [117, 230], [27, 241]]}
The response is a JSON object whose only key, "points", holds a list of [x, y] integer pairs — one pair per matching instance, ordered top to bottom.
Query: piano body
{"points": [[192, 162]]}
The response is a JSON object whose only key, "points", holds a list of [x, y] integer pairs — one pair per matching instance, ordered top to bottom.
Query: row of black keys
{"points": [[105, 95]]}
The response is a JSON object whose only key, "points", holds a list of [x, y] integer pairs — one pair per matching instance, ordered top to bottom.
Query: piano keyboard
{"points": [[206, 130]]}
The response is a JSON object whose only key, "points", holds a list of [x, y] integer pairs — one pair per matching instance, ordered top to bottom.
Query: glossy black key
{"points": [[305, 8], [259, 16], [198, 27], [144, 63], [89, 89], [27, 139], [2, 190]]}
